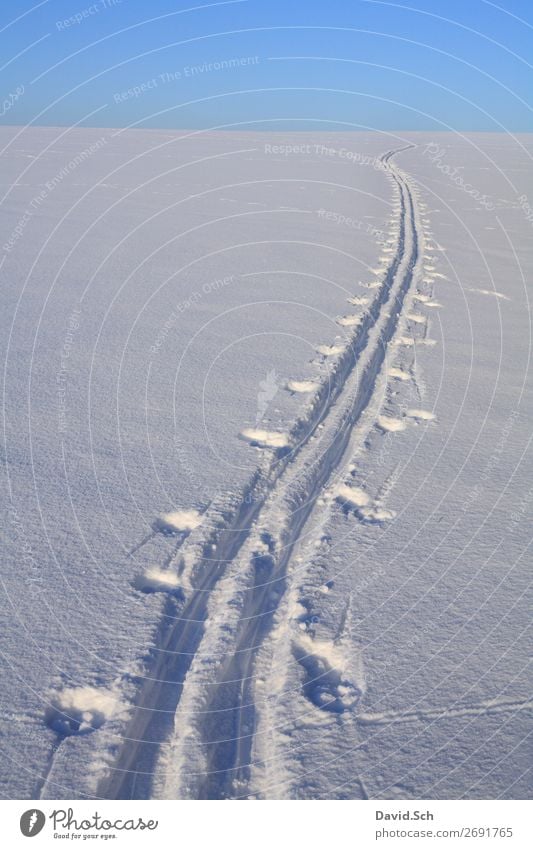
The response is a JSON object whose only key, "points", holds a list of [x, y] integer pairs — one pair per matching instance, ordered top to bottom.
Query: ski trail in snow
{"points": [[209, 551], [194, 721], [208, 753]]}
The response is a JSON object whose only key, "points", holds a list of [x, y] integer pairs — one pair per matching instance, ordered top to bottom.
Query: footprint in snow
{"points": [[374, 284], [426, 300], [417, 319], [349, 320], [403, 341], [409, 342], [330, 350], [398, 373], [302, 386], [421, 415], [390, 424], [264, 438], [352, 495], [356, 499], [376, 515], [177, 521], [157, 580], [325, 684], [80, 710]]}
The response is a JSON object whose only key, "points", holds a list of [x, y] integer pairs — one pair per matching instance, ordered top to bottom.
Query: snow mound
{"points": [[349, 320], [330, 350], [398, 372], [302, 386], [423, 415], [390, 424], [265, 438], [352, 494], [376, 514], [178, 521], [154, 579], [80, 710]]}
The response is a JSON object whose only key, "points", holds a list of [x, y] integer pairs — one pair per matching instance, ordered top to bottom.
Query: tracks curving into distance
{"points": [[191, 728]]}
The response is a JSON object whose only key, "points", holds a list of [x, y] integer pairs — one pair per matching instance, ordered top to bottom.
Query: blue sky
{"points": [[420, 65]]}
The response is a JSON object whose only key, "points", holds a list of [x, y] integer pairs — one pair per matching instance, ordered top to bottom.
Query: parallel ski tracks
{"points": [[301, 476]]}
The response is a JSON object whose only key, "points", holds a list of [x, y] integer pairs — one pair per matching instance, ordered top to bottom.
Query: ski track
{"points": [[191, 728]]}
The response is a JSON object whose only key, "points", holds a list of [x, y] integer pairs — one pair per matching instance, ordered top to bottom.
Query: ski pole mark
{"points": [[486, 708]]}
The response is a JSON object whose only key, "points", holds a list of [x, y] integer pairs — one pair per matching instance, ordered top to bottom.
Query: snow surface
{"points": [[258, 546]]}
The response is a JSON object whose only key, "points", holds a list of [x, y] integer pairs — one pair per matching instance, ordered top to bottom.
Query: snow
{"points": [[491, 294], [418, 319], [349, 320], [330, 350], [398, 373], [302, 386], [423, 415], [390, 424], [265, 438], [353, 495], [377, 514], [178, 520], [154, 579], [187, 614], [81, 709]]}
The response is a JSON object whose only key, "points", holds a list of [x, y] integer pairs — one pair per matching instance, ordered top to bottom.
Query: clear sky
{"points": [[420, 65]]}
